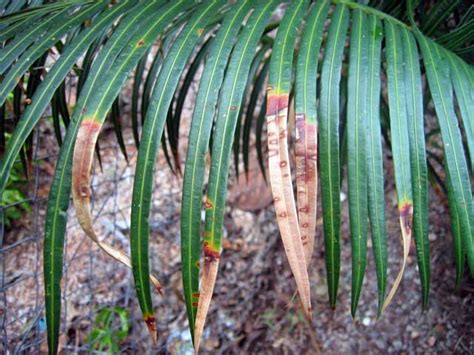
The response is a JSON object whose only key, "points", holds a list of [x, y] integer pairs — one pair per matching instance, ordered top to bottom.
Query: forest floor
{"points": [[252, 310]]}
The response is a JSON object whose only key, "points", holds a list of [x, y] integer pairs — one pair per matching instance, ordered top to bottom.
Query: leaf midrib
{"points": [[328, 102], [399, 115], [374, 176], [358, 207], [421, 244]]}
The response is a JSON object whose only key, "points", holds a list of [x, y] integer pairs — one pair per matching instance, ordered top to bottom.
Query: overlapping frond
{"points": [[343, 113]]}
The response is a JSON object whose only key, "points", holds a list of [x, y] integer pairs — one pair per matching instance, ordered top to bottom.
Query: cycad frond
{"points": [[105, 42]]}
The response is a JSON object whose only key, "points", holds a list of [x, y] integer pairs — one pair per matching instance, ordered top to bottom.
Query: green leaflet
{"points": [[89, 58], [437, 70], [151, 78], [255, 81], [137, 84], [149, 85], [233, 88], [184, 89], [464, 91], [251, 108], [60, 111], [398, 113], [56, 119], [155, 119], [116, 122], [259, 133], [399, 135], [165, 141], [306, 145], [356, 145], [329, 146], [419, 170], [375, 171], [193, 182], [458, 250]]}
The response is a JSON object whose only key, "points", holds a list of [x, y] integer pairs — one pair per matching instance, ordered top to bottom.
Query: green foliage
{"points": [[14, 196], [110, 329]]}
